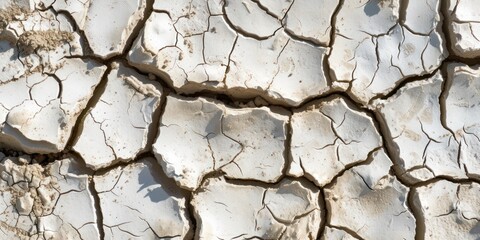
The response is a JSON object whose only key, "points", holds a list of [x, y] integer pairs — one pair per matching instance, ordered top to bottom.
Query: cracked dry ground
{"points": [[239, 119]]}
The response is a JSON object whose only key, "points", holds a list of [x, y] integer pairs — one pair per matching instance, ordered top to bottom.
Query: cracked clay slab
{"points": [[118, 19], [310, 20], [463, 21], [34, 40], [378, 44], [205, 50], [50, 87], [125, 110], [462, 111], [40, 116], [433, 125], [328, 136], [246, 143], [423, 148], [138, 202], [370, 202], [291, 209], [448, 210]]}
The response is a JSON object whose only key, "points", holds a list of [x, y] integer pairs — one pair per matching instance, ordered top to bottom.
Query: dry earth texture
{"points": [[240, 119]]}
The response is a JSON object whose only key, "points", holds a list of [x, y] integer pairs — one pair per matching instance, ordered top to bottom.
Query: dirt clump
{"points": [[11, 13], [31, 41]]}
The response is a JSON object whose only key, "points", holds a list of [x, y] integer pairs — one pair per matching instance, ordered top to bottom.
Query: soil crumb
{"points": [[11, 13], [45, 40]]}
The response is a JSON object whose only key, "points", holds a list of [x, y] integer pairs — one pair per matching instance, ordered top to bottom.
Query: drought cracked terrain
{"points": [[240, 119]]}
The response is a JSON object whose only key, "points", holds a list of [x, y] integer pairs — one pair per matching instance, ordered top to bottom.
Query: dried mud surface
{"points": [[239, 119]]}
